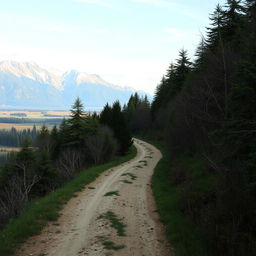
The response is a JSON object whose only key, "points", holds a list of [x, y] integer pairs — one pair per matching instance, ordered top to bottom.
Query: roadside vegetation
{"points": [[184, 235]]}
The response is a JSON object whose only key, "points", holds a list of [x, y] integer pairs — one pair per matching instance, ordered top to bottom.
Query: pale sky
{"points": [[127, 42]]}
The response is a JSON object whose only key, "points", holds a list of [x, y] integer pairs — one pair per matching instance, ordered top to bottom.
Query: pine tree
{"points": [[215, 32], [201, 55], [182, 69], [161, 96], [105, 115], [114, 118], [77, 125], [120, 129]]}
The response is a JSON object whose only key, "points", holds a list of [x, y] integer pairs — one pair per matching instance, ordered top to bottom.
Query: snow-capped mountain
{"points": [[30, 71], [26, 85]]}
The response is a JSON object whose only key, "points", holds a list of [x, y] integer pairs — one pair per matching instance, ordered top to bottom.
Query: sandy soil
{"points": [[79, 231]]}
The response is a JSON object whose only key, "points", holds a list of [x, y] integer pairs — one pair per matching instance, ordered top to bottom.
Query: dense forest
{"points": [[204, 110], [14, 137], [57, 155]]}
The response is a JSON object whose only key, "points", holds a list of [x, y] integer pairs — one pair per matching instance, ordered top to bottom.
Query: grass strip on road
{"points": [[39, 212], [115, 222]]}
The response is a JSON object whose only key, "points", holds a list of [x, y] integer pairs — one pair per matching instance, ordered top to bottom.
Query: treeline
{"points": [[205, 112], [14, 137], [58, 154]]}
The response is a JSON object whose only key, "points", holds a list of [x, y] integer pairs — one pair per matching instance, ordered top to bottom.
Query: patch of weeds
{"points": [[148, 157], [138, 166], [132, 176], [126, 181], [91, 187], [112, 193], [115, 222], [56, 224], [58, 232], [109, 245], [41, 254]]}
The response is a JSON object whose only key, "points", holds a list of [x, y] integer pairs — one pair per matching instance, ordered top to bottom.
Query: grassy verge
{"points": [[39, 212], [184, 236]]}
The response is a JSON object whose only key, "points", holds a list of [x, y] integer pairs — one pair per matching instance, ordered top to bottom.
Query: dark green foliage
{"points": [[172, 83], [205, 112], [137, 114], [114, 118], [76, 125], [14, 138]]}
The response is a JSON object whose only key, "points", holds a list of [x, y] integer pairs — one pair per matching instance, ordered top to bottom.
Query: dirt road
{"points": [[115, 215]]}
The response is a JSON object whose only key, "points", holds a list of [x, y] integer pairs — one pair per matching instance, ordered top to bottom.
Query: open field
{"points": [[34, 113], [26, 119], [8, 126], [4, 149]]}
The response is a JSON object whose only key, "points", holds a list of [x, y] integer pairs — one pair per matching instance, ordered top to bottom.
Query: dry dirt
{"points": [[79, 231]]}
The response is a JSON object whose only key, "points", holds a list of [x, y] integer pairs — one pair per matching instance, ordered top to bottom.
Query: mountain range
{"points": [[28, 86]]}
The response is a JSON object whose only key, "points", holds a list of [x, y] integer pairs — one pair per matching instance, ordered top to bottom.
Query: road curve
{"points": [[80, 230]]}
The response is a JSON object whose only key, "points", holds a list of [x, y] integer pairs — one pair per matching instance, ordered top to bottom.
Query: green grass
{"points": [[144, 162], [131, 175], [127, 181], [112, 193], [39, 212], [115, 222], [184, 236], [109, 245]]}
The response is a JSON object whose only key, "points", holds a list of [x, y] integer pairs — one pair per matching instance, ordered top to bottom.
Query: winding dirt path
{"points": [[80, 230]]}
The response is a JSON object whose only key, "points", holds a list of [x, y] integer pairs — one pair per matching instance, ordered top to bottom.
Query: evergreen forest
{"points": [[204, 112]]}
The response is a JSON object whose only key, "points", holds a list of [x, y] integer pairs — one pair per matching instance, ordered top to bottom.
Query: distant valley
{"points": [[25, 85]]}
